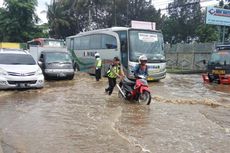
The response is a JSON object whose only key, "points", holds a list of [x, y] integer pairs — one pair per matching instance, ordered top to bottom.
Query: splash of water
{"points": [[207, 102]]}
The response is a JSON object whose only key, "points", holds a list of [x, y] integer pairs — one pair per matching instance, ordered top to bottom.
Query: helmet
{"points": [[97, 55], [143, 58]]}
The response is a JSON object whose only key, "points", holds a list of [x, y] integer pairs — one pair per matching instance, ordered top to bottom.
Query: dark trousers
{"points": [[98, 74], [112, 84]]}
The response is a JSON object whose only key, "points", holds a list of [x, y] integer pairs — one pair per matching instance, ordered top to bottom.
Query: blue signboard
{"points": [[217, 16]]}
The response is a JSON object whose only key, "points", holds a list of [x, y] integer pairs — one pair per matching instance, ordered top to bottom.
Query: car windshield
{"points": [[145, 42], [57, 57], [220, 57], [17, 59]]}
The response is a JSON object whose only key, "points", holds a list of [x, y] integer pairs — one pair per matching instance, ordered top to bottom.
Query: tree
{"points": [[68, 17], [184, 18], [17, 20], [206, 33]]}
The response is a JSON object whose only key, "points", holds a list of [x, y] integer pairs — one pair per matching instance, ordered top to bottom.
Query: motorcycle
{"points": [[135, 90]]}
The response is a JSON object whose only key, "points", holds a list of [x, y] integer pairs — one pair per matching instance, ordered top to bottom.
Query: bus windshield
{"points": [[145, 42], [220, 57]]}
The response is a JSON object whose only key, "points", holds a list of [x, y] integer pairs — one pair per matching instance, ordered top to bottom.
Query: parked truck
{"points": [[218, 68]]}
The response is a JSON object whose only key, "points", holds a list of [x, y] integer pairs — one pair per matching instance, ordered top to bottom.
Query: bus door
{"points": [[124, 49]]}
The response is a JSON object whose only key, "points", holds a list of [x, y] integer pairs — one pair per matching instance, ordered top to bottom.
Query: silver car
{"points": [[18, 69]]}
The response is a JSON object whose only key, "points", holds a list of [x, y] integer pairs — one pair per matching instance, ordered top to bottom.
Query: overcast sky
{"points": [[159, 4], [41, 7]]}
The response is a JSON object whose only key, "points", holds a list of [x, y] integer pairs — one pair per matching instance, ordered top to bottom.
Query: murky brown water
{"points": [[78, 117]]}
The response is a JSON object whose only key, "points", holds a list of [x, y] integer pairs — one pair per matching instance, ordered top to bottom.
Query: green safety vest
{"points": [[98, 63], [112, 73]]}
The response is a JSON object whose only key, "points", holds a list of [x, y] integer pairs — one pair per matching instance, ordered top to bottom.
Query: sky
{"points": [[159, 4], [39, 10]]}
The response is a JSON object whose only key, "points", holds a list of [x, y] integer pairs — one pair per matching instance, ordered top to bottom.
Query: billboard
{"points": [[218, 16], [143, 25]]}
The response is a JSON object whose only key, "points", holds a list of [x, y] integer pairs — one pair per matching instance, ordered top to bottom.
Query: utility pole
{"points": [[115, 12], [223, 38]]}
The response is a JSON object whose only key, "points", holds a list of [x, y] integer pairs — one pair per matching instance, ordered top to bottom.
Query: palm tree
{"points": [[57, 19]]}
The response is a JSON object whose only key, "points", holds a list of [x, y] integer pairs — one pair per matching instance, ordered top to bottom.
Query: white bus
{"points": [[126, 43]]}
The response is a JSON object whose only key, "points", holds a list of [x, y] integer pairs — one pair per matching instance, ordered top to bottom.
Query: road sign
{"points": [[218, 16]]}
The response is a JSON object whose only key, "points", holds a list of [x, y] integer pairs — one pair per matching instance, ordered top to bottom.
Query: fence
{"points": [[188, 57]]}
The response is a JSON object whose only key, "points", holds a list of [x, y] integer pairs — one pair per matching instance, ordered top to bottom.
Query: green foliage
{"points": [[68, 17], [184, 18], [17, 20], [207, 33]]}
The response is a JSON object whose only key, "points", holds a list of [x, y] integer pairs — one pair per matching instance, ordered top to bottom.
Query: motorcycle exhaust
{"points": [[123, 94]]}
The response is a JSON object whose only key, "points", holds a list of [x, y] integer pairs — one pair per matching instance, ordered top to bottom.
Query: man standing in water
{"points": [[98, 65], [114, 72]]}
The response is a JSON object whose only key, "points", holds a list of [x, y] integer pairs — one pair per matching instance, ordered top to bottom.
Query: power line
{"points": [[166, 2], [181, 5]]}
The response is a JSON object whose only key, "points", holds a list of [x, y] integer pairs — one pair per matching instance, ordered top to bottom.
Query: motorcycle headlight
{"points": [[2, 72], [39, 72]]}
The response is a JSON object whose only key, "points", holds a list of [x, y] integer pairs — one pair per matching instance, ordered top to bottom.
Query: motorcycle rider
{"points": [[98, 65], [141, 68], [114, 72]]}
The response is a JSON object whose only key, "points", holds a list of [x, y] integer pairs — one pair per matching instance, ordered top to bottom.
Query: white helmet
{"points": [[97, 55], [142, 58]]}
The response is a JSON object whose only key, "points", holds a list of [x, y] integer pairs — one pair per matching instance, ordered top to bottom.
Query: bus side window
{"points": [[109, 42]]}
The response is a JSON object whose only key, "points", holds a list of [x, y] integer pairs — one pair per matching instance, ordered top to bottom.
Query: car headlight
{"points": [[2, 72], [39, 72]]}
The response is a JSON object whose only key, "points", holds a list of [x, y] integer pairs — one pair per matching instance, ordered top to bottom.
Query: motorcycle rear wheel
{"points": [[144, 98]]}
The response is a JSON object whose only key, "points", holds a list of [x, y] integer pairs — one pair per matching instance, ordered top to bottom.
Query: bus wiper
{"points": [[158, 60], [53, 62]]}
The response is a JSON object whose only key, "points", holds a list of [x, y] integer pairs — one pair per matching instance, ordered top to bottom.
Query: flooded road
{"points": [[78, 117]]}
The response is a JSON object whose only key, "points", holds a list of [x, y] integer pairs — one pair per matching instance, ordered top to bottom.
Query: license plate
{"points": [[218, 71], [62, 74], [150, 78], [22, 85]]}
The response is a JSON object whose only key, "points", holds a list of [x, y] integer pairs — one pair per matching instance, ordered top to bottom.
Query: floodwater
{"points": [[76, 116]]}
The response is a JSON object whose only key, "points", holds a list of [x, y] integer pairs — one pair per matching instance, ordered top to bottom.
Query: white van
{"points": [[18, 69]]}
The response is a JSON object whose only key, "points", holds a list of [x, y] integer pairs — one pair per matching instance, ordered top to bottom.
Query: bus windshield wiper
{"points": [[53, 62], [18, 63]]}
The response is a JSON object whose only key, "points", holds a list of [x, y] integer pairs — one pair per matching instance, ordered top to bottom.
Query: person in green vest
{"points": [[98, 65], [114, 72]]}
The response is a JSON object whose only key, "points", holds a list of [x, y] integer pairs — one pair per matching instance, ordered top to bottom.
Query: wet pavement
{"points": [[78, 117]]}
